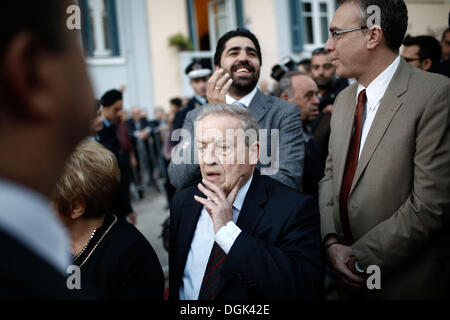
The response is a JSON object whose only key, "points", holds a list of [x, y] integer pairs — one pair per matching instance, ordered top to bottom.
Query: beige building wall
{"points": [[427, 17], [166, 18], [260, 18]]}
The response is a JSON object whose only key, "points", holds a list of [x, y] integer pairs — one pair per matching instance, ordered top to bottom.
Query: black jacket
{"points": [[181, 114], [122, 202], [276, 256], [123, 264], [24, 275]]}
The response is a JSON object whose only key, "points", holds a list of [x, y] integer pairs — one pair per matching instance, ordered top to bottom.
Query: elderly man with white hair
{"points": [[239, 234]]}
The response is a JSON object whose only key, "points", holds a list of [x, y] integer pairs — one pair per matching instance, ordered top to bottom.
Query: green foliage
{"points": [[181, 42]]}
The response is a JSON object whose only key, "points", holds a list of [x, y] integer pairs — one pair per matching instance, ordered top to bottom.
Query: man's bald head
{"points": [[300, 89]]}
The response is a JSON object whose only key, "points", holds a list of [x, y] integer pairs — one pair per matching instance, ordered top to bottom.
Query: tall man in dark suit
{"points": [[238, 62], [112, 102], [46, 107], [385, 197], [238, 234]]}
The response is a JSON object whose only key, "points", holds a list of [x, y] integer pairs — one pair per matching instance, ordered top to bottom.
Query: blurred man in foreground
{"points": [[46, 107]]}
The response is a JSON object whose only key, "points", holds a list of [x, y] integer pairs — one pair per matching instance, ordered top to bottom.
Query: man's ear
{"points": [[375, 36], [426, 64], [216, 67], [25, 78], [254, 150], [77, 208]]}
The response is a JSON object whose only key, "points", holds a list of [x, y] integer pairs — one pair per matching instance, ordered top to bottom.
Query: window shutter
{"points": [[239, 14], [192, 24], [296, 25], [112, 26], [86, 29]]}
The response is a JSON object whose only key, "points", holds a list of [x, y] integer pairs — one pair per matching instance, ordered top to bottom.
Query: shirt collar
{"points": [[377, 88], [201, 99], [246, 100], [106, 122], [240, 197], [27, 217]]}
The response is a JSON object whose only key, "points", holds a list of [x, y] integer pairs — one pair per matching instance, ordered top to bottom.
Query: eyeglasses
{"points": [[336, 33], [412, 59]]}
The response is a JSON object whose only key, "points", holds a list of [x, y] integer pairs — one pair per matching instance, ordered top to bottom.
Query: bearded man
{"points": [[237, 63]]}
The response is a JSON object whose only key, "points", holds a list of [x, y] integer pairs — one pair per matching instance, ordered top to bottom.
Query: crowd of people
{"points": [[289, 195]]}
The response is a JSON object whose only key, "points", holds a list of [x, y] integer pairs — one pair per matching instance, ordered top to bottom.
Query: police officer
{"points": [[198, 72]]}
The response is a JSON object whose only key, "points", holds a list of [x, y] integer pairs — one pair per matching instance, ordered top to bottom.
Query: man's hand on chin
{"points": [[218, 205]]}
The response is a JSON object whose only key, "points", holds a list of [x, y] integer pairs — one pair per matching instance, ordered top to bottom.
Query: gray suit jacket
{"points": [[271, 113], [399, 202]]}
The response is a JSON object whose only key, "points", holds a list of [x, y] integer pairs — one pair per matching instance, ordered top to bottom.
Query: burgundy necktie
{"points": [[122, 135], [350, 167], [212, 277]]}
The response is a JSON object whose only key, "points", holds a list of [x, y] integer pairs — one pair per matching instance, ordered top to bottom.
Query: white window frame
{"points": [[230, 9], [98, 10], [316, 15], [101, 56]]}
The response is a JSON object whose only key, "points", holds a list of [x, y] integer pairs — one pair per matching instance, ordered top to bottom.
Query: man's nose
{"points": [[329, 46], [243, 56], [316, 101], [209, 157]]}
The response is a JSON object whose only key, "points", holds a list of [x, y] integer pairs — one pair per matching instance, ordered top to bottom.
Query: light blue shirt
{"points": [[201, 99], [106, 122], [96, 139], [26, 216], [202, 243]]}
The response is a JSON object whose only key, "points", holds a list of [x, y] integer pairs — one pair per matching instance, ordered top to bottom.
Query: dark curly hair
{"points": [[240, 32]]}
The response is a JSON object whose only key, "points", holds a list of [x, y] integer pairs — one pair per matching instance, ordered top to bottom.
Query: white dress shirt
{"points": [[375, 92], [246, 100], [26, 216], [202, 243]]}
